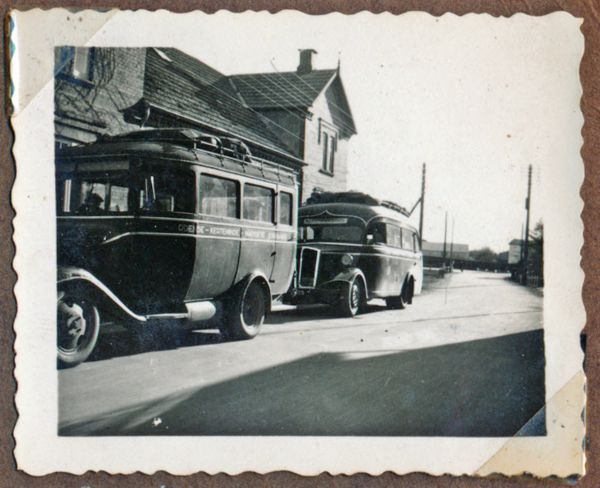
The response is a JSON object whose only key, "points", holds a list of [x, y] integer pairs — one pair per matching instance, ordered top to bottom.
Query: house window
{"points": [[75, 63], [329, 149]]}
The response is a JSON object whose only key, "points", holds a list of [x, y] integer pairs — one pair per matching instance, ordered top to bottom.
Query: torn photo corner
{"points": [[351, 247]]}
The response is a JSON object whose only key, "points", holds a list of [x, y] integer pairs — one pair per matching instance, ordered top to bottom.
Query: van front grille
{"points": [[309, 267]]}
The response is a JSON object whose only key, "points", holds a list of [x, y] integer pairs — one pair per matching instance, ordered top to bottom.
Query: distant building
{"points": [[301, 119], [436, 250], [514, 251]]}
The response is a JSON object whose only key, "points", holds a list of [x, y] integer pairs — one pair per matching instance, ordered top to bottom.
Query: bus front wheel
{"points": [[353, 298], [78, 326]]}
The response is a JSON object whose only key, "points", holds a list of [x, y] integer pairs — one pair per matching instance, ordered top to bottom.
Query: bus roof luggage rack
{"points": [[230, 147], [353, 197]]}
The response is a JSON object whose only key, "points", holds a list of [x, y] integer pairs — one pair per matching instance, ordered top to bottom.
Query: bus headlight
{"points": [[347, 259]]}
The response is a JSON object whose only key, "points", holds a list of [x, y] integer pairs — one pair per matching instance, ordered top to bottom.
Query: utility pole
{"points": [[422, 205], [445, 233], [452, 241], [526, 243]]}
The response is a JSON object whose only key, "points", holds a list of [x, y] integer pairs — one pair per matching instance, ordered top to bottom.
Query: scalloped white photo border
{"points": [[39, 450]]}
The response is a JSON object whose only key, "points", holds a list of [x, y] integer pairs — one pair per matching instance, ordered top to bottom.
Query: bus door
{"points": [[258, 230], [218, 236], [285, 242]]}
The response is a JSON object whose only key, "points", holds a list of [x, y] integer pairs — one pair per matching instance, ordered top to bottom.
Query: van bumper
{"points": [[330, 293]]}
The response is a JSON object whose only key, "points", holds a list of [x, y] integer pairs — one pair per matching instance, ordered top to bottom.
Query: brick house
{"points": [[301, 119]]}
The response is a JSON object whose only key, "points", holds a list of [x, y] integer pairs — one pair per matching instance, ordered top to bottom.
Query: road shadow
{"points": [[316, 312], [122, 342], [129, 343], [482, 388]]}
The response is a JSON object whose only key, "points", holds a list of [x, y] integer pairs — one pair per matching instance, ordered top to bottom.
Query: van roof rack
{"points": [[230, 147], [353, 197]]}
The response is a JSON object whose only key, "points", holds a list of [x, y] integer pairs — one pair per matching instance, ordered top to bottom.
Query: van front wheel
{"points": [[245, 312]]}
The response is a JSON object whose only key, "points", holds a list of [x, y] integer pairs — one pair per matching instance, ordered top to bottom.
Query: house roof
{"points": [[183, 86], [276, 90], [291, 90], [515, 241]]}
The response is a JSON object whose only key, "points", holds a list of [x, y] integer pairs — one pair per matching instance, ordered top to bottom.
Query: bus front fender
{"points": [[78, 280]]}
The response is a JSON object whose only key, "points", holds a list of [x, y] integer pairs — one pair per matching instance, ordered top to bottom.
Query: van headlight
{"points": [[347, 259]]}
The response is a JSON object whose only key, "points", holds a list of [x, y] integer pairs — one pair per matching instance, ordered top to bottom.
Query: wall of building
{"points": [[84, 109], [289, 127], [314, 177], [514, 253]]}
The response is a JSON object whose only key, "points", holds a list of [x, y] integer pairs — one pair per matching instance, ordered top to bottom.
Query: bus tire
{"points": [[353, 298], [400, 302], [245, 312], [78, 327]]}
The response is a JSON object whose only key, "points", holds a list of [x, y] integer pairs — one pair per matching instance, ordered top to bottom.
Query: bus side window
{"points": [[218, 196], [258, 203], [285, 208], [378, 232], [393, 236], [407, 240], [416, 245]]}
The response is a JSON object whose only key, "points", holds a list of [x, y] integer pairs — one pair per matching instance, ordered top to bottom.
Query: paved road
{"points": [[466, 359]]}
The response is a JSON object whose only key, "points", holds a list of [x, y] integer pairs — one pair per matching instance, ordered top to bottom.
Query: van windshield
{"points": [[96, 193], [334, 232]]}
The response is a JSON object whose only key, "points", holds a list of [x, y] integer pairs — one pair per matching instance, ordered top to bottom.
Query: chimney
{"points": [[305, 65]]}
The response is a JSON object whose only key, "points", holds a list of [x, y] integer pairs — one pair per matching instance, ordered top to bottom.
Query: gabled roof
{"points": [[183, 86], [277, 90], [291, 90]]}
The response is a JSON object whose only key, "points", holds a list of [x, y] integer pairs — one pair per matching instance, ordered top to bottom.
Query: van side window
{"points": [[218, 196], [258, 203], [285, 208], [393, 235], [408, 240]]}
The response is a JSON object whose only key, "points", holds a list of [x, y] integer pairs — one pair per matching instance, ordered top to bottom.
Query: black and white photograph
{"points": [[305, 229]]}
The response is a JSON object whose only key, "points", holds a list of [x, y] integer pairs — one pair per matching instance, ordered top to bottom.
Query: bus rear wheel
{"points": [[405, 298], [245, 312], [78, 326]]}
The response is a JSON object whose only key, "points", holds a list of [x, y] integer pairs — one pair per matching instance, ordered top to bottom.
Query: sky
{"points": [[476, 98]]}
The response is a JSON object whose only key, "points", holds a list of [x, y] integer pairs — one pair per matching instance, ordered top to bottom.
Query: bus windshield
{"points": [[122, 192], [323, 231]]}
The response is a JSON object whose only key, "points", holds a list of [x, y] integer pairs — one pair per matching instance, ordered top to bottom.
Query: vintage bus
{"points": [[157, 226], [353, 248]]}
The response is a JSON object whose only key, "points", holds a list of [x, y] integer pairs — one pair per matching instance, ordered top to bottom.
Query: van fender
{"points": [[349, 275], [259, 276], [71, 278]]}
